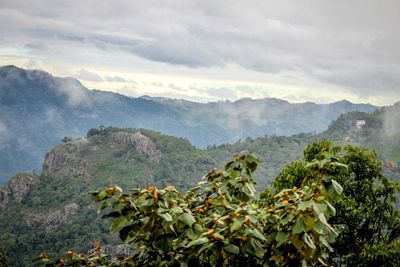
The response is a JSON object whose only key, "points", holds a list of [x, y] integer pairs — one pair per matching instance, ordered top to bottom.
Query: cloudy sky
{"points": [[319, 51]]}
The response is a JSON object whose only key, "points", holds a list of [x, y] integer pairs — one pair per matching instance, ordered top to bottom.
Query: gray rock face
{"points": [[142, 143], [55, 161], [17, 188]]}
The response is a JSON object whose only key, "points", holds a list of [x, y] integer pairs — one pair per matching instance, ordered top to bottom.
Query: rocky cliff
{"points": [[142, 143], [17, 188]]}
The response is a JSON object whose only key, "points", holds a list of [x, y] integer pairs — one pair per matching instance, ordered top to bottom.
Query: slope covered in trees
{"points": [[38, 110], [55, 206], [306, 218]]}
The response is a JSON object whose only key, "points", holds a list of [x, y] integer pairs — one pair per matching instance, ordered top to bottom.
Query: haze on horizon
{"points": [[315, 50]]}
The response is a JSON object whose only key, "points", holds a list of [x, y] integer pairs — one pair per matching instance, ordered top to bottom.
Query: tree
{"points": [[367, 223]]}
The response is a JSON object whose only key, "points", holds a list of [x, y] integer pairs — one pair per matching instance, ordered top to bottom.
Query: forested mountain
{"points": [[38, 110], [379, 130], [53, 211]]}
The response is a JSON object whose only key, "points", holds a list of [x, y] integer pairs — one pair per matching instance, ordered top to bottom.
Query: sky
{"points": [[305, 50]]}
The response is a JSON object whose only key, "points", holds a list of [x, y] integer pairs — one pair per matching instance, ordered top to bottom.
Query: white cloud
{"points": [[350, 45], [88, 76]]}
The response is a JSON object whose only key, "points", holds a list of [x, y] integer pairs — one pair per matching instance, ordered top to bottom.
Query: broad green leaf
{"points": [[251, 158], [338, 164], [338, 188], [249, 190], [101, 195], [103, 205], [303, 205], [119, 206], [319, 208], [331, 208], [175, 210], [166, 216], [288, 218], [322, 218], [187, 219], [117, 224], [236, 225], [298, 227], [197, 228], [257, 234], [281, 237], [307, 239], [199, 241], [232, 249], [258, 250]]}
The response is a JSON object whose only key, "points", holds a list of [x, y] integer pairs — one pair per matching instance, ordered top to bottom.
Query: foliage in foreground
{"points": [[365, 216], [223, 221], [3, 259]]}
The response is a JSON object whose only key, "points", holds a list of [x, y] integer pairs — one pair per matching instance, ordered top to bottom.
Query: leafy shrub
{"points": [[304, 219], [219, 222]]}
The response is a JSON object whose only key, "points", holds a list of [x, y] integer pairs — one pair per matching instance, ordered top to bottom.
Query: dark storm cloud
{"points": [[353, 44]]}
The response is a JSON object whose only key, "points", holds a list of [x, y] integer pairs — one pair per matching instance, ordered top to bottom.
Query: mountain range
{"points": [[37, 110]]}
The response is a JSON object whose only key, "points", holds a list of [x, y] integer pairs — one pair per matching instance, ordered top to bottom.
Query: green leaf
{"points": [[251, 158], [338, 188], [249, 190], [102, 195], [103, 205], [303, 205], [119, 206], [319, 208], [331, 208], [166, 216], [289, 217], [187, 219], [117, 224], [236, 225], [298, 227], [197, 228], [257, 234], [281, 237], [307, 239], [199, 241], [232, 249], [258, 251]]}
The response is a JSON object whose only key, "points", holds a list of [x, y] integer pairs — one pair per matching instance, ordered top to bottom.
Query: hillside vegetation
{"points": [[38, 110], [331, 208], [53, 212]]}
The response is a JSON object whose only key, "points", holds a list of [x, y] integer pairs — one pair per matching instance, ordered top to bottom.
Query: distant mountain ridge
{"points": [[37, 110]]}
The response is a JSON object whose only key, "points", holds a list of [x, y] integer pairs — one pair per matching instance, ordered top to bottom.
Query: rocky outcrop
{"points": [[142, 143], [54, 161], [66, 163], [17, 188], [53, 218]]}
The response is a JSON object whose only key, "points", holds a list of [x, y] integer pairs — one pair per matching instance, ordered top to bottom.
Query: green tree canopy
{"points": [[365, 216]]}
